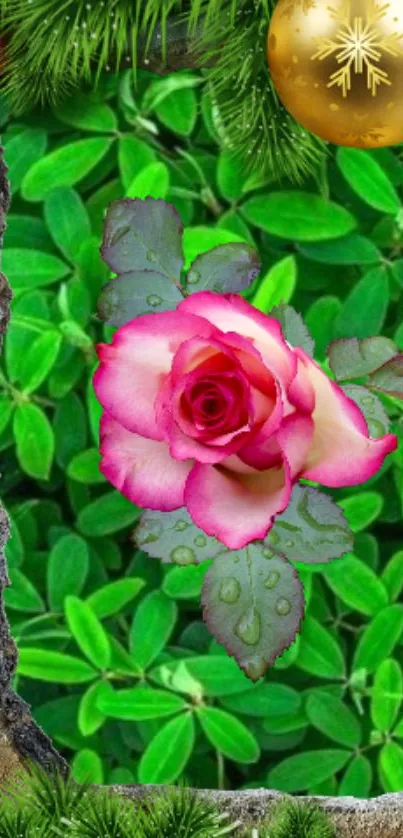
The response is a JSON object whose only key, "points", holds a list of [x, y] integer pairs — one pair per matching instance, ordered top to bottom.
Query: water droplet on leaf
{"points": [[151, 256], [193, 277], [154, 300], [368, 400], [181, 525], [273, 537], [200, 541], [289, 543], [268, 554], [183, 555], [272, 579], [230, 590], [283, 606], [248, 627], [255, 667]]}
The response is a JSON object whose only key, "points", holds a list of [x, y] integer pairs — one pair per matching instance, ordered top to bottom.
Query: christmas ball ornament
{"points": [[337, 66]]}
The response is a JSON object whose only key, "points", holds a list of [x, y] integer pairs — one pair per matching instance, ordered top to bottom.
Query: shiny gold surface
{"points": [[337, 66]]}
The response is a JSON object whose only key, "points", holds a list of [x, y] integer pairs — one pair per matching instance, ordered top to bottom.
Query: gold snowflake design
{"points": [[291, 5], [358, 46]]}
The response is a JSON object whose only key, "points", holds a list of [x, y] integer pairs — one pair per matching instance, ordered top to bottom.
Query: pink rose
{"points": [[210, 408]]}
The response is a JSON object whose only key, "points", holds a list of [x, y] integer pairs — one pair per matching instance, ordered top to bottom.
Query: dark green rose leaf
{"points": [[143, 235], [227, 268], [135, 293], [293, 326], [352, 358], [389, 378], [374, 412], [312, 529], [173, 537], [253, 604]]}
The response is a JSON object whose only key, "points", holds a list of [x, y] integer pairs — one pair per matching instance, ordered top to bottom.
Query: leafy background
{"points": [[113, 655]]}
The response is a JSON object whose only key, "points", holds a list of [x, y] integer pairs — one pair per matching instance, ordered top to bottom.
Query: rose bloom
{"points": [[208, 407]]}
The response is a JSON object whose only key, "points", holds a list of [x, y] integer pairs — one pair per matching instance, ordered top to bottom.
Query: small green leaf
{"points": [[178, 111], [82, 112], [22, 151], [133, 156], [65, 166], [368, 179], [150, 182], [300, 216], [67, 221], [198, 240], [228, 268], [27, 269], [277, 286], [136, 293], [364, 310], [320, 319], [352, 358], [39, 360], [6, 410], [70, 428], [35, 443], [84, 467], [362, 510], [108, 514], [173, 537], [67, 569], [392, 575], [185, 582], [356, 584], [22, 595], [114, 596], [253, 604], [152, 627], [87, 631], [379, 638], [319, 653], [53, 666], [215, 675], [387, 694], [264, 700], [139, 704], [90, 718], [333, 718], [228, 735], [168, 752], [87, 767], [391, 767], [298, 772], [357, 778]]}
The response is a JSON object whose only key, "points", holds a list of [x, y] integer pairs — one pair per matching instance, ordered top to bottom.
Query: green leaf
{"points": [[178, 111], [82, 112], [21, 152], [133, 156], [65, 166], [230, 175], [368, 180], [151, 182], [300, 216], [67, 221], [131, 230], [27, 231], [198, 240], [348, 250], [228, 268], [28, 269], [277, 286], [136, 293], [364, 309], [320, 319], [293, 327], [354, 358], [39, 360], [389, 378], [372, 409], [6, 410], [70, 428], [34, 438], [84, 467], [362, 510], [108, 514], [312, 529], [173, 537], [67, 570], [392, 575], [185, 582], [357, 585], [22, 595], [114, 596], [253, 604], [152, 626], [87, 631], [379, 638], [319, 653], [53, 666], [211, 675], [387, 694], [264, 700], [139, 704], [90, 718], [333, 718], [228, 735], [168, 752], [87, 767], [391, 767], [298, 772], [357, 778]]}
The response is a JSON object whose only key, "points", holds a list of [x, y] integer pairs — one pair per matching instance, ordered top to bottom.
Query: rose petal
{"points": [[133, 367], [341, 453], [141, 469], [236, 508]]}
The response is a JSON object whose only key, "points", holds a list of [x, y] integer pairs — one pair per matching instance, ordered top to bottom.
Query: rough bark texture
{"points": [[20, 736]]}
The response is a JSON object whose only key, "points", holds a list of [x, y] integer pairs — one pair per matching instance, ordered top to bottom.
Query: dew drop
{"points": [[151, 256], [193, 277], [154, 300], [368, 400], [375, 428], [181, 525], [151, 532], [273, 537], [200, 541], [289, 543], [268, 554], [183, 555], [236, 559], [272, 579], [230, 590], [283, 606], [248, 627], [255, 667]]}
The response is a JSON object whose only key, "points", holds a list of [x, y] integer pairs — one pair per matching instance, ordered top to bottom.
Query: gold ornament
{"points": [[337, 66]]}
